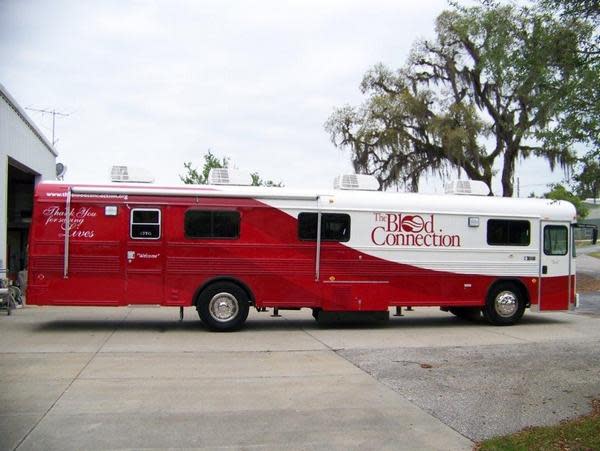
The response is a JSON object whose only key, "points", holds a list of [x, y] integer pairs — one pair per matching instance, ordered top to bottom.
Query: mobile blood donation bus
{"points": [[224, 248]]}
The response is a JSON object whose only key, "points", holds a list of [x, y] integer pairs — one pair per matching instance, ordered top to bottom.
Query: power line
{"points": [[54, 113]]}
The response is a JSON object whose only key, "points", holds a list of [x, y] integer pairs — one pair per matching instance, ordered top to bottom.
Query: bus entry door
{"points": [[144, 259], [555, 267]]}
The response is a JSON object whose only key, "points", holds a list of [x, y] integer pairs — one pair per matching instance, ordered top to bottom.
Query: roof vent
{"points": [[130, 174], [227, 176], [358, 182], [467, 187]]}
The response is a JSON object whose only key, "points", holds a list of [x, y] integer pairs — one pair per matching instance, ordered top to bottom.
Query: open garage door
{"points": [[20, 186]]}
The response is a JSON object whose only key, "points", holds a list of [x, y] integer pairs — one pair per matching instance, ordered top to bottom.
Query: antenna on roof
{"points": [[54, 113]]}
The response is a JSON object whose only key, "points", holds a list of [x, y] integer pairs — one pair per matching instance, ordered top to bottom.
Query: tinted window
{"points": [[145, 216], [145, 224], [197, 224], [212, 224], [334, 226], [504, 232], [556, 240]]}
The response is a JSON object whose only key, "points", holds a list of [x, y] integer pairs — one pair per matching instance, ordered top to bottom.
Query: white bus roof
{"points": [[348, 200]]}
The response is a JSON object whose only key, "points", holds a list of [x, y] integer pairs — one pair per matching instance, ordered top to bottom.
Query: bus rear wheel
{"points": [[505, 304], [223, 306]]}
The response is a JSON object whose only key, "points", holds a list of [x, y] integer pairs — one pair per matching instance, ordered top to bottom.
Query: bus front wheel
{"points": [[505, 304], [223, 306]]}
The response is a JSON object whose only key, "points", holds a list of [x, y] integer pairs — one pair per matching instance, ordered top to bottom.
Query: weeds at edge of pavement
{"points": [[594, 254], [578, 434]]}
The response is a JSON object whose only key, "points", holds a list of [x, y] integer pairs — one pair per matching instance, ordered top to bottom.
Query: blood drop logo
{"points": [[412, 224]]}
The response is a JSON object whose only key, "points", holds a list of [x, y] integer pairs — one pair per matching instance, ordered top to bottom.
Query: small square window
{"points": [[145, 224], [556, 240]]}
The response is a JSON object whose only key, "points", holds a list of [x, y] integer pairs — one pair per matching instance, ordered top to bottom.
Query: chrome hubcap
{"points": [[506, 304], [223, 307]]}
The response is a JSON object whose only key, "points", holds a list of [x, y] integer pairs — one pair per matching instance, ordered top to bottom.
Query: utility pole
{"points": [[54, 113], [518, 186]]}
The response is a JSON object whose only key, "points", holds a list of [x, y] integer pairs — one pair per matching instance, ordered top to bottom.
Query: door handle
{"points": [[544, 269]]}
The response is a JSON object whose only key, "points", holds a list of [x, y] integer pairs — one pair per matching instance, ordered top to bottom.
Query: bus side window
{"points": [[144, 224], [212, 224], [334, 227], [507, 232], [555, 240]]}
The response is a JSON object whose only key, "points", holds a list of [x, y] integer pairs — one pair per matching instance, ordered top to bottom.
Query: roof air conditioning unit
{"points": [[124, 174], [227, 176], [357, 182], [467, 187]]}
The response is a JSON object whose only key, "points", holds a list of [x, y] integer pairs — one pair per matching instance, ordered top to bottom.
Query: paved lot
{"points": [[104, 378], [136, 378], [491, 390]]}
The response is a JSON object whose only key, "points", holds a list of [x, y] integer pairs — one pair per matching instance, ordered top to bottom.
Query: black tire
{"points": [[505, 304], [223, 306], [468, 313]]}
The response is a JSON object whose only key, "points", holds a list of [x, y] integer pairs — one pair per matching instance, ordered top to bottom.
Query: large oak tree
{"points": [[497, 84]]}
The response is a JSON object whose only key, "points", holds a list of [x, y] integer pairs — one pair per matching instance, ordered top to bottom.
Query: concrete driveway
{"points": [[104, 378]]}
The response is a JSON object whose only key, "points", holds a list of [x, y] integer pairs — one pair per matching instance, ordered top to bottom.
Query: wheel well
{"points": [[233, 280], [516, 282]]}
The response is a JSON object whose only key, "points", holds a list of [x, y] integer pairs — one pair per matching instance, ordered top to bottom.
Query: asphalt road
{"points": [[586, 264], [589, 304], [484, 391]]}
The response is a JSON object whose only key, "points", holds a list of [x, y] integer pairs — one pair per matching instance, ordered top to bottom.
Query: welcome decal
{"points": [[400, 229]]}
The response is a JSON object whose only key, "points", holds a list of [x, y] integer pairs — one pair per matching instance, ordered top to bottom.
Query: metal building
{"points": [[26, 157]]}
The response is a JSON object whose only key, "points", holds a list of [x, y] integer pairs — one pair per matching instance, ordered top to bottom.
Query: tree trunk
{"points": [[508, 171]]}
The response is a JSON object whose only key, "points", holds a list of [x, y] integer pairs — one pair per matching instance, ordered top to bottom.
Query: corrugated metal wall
{"points": [[21, 143]]}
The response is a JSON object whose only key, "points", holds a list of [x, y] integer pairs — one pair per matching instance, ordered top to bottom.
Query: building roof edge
{"points": [[23, 115]]}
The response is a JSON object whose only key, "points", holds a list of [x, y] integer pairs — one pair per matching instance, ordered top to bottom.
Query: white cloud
{"points": [[157, 83]]}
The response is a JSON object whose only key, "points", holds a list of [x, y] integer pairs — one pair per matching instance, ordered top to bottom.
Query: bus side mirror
{"points": [[594, 235]]}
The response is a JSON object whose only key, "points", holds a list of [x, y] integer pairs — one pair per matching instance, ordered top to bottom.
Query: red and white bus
{"points": [[224, 249]]}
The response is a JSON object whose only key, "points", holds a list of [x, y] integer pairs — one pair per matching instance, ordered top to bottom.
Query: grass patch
{"points": [[595, 254], [580, 434]]}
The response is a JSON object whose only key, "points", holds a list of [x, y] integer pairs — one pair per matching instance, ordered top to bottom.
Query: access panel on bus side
{"points": [[555, 266]]}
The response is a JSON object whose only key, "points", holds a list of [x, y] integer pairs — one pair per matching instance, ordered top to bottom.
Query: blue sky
{"points": [[157, 83]]}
